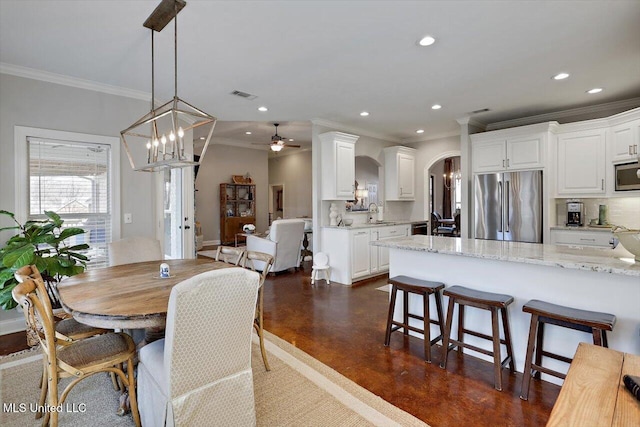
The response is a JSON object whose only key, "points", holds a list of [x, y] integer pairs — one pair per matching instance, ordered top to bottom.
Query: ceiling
{"points": [[330, 60]]}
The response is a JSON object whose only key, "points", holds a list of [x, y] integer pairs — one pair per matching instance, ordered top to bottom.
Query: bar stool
{"points": [[419, 287], [486, 301], [542, 312]]}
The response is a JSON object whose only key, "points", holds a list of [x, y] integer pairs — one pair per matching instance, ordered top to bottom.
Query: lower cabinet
{"points": [[580, 237], [351, 256]]}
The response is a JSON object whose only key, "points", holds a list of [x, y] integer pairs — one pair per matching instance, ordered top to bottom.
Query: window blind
{"points": [[73, 180]]}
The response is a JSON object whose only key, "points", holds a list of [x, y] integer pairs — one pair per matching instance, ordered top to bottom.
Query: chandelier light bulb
{"points": [[180, 132], [172, 136], [163, 139], [156, 142], [148, 145]]}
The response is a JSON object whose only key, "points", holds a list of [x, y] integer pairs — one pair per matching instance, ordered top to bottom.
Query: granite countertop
{"points": [[386, 223], [606, 229], [602, 260]]}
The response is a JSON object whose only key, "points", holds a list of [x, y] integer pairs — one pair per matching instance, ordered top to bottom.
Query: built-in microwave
{"points": [[627, 176]]}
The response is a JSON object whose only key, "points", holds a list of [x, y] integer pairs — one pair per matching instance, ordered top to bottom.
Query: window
{"points": [[72, 175]]}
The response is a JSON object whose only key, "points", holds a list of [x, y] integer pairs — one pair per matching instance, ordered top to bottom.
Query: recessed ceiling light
{"points": [[426, 41], [561, 76], [595, 90], [436, 106], [263, 109], [364, 114], [420, 131], [247, 133], [202, 138], [290, 139]]}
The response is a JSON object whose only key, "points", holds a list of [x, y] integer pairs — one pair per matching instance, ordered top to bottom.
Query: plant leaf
{"points": [[3, 212], [54, 217], [10, 228], [70, 232], [80, 247], [78, 256], [19, 257], [6, 275], [6, 299]]}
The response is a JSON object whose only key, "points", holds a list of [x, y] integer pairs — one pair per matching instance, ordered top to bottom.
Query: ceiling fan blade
{"points": [[291, 146]]}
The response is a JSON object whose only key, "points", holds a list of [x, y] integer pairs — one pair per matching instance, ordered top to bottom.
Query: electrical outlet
{"points": [[128, 218]]}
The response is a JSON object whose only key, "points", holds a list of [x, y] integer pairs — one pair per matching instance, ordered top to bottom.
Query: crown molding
{"points": [[46, 76], [559, 115], [354, 130]]}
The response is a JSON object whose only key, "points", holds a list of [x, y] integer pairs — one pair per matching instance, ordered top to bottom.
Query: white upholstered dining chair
{"points": [[283, 243], [134, 249], [200, 374]]}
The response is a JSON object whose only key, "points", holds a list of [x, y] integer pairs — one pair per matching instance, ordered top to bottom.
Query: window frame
{"points": [[22, 133]]}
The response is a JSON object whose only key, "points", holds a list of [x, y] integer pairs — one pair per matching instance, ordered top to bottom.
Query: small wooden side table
{"points": [[247, 234], [593, 394]]}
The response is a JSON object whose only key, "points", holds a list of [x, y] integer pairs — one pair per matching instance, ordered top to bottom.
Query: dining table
{"points": [[128, 296]]}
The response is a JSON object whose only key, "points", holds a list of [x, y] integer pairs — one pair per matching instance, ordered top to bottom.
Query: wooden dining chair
{"points": [[229, 254], [259, 261], [67, 329], [78, 360]]}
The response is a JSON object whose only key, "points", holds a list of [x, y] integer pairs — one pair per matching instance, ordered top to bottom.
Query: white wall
{"points": [[34, 103], [220, 162], [294, 172]]}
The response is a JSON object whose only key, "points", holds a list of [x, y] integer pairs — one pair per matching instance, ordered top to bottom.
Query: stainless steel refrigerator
{"points": [[509, 206]]}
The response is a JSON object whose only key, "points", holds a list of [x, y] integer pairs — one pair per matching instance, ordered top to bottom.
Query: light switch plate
{"points": [[128, 218]]}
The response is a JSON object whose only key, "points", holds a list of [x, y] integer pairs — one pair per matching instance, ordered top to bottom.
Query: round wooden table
{"points": [[130, 296]]}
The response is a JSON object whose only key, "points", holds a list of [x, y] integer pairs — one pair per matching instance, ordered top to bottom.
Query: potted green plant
{"points": [[41, 243]]}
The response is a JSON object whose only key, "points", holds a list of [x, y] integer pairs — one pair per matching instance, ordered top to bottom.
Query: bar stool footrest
{"points": [[547, 371]]}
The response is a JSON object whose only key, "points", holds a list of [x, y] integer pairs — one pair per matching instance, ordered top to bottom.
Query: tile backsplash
{"points": [[624, 211]]}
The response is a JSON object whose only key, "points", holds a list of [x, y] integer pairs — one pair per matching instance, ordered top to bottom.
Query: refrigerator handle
{"points": [[508, 204], [501, 207]]}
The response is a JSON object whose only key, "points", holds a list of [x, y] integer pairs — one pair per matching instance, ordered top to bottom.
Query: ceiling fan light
{"points": [[276, 147]]}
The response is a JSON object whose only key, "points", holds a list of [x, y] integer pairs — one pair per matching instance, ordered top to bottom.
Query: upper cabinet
{"points": [[625, 139], [495, 152], [582, 162], [338, 165], [399, 173]]}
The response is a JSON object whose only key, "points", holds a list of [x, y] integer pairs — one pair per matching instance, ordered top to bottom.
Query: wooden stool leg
{"points": [[392, 305], [405, 311], [440, 313], [460, 325], [427, 327], [447, 333], [597, 337], [507, 339], [604, 339], [539, 347], [497, 366], [526, 376]]}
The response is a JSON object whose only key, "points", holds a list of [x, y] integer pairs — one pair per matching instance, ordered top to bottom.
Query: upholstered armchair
{"points": [[283, 243], [200, 374]]}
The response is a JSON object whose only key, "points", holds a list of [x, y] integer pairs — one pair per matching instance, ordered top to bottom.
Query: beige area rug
{"points": [[384, 288], [298, 391]]}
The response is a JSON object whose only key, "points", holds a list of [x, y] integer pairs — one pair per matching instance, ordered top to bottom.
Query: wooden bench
{"points": [[593, 393]]}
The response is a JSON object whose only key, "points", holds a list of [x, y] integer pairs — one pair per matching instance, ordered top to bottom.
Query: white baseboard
{"points": [[211, 242], [10, 326]]}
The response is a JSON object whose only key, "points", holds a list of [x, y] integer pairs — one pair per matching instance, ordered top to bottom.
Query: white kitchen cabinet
{"points": [[625, 139], [514, 153], [581, 162], [338, 165], [399, 173], [384, 233], [580, 237], [360, 253]]}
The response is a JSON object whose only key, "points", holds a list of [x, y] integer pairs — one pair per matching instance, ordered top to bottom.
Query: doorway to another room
{"points": [[445, 196], [276, 202]]}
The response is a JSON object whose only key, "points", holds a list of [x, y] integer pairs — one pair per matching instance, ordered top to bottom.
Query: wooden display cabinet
{"points": [[237, 208]]}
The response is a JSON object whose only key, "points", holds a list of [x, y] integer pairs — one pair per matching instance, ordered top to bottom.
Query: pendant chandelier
{"points": [[157, 140]]}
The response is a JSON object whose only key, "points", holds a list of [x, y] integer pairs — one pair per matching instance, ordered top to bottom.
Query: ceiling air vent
{"points": [[244, 95], [483, 110]]}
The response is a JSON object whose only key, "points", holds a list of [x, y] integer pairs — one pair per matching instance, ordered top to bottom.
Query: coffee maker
{"points": [[575, 214]]}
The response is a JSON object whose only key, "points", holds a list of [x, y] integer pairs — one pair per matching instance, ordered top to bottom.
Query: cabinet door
{"points": [[625, 139], [524, 153], [489, 156], [581, 162], [345, 169], [406, 178], [581, 238], [360, 254], [374, 264]]}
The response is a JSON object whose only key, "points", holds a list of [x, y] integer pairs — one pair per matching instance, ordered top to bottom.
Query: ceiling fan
{"points": [[278, 142]]}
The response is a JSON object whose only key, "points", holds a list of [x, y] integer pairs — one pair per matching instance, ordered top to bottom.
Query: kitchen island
{"points": [[597, 279]]}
